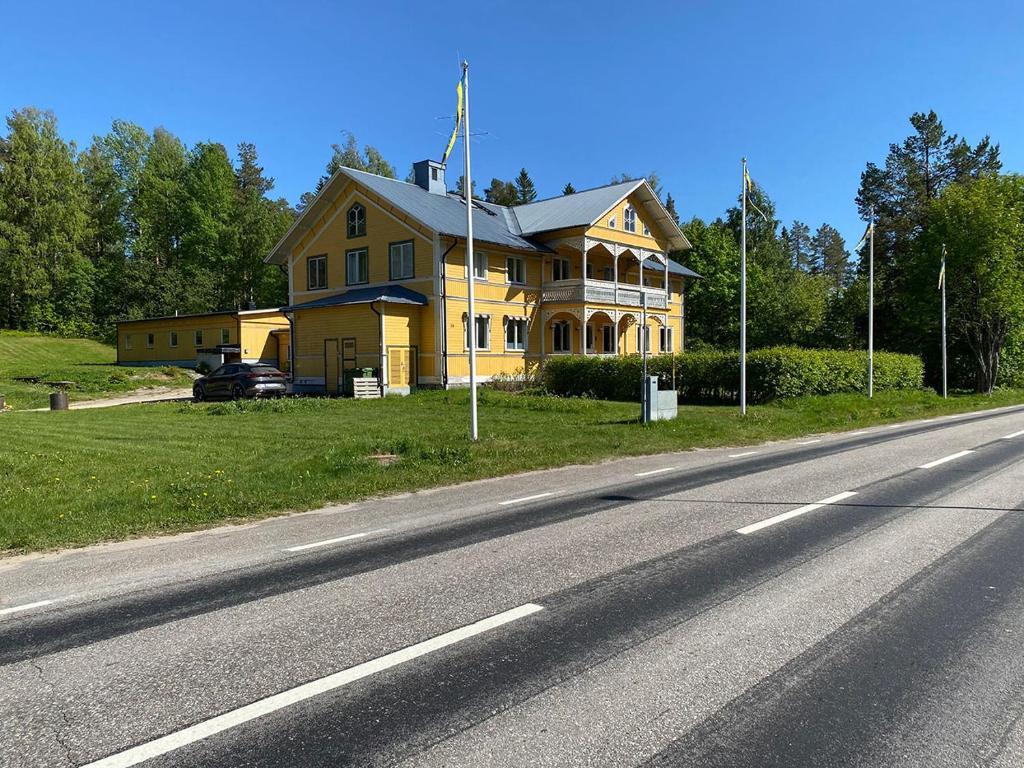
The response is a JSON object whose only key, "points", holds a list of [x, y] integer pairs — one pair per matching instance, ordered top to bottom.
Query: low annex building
{"points": [[377, 279], [248, 336]]}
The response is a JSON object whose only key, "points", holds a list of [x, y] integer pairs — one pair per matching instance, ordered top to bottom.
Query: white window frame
{"points": [[629, 219], [355, 220], [611, 223], [406, 254], [362, 262], [561, 265], [480, 266], [515, 270], [316, 272], [485, 329], [521, 332], [225, 336], [561, 337], [197, 338], [607, 338], [665, 338], [172, 339], [643, 339], [150, 340], [128, 341]]}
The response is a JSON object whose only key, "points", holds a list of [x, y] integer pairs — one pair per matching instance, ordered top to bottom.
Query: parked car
{"points": [[238, 380]]}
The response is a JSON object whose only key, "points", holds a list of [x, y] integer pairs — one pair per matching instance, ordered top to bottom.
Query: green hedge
{"points": [[714, 376]]}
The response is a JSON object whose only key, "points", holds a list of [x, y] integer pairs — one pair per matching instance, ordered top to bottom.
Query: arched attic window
{"points": [[356, 221]]}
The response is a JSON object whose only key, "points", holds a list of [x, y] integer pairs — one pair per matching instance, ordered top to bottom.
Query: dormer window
{"points": [[629, 219], [356, 221]]}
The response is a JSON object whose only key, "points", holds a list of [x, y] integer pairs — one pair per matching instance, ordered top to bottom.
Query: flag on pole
{"points": [[458, 124], [748, 186], [863, 239], [942, 272]]}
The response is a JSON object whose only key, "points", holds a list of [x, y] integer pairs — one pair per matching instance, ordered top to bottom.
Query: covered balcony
{"points": [[586, 271]]}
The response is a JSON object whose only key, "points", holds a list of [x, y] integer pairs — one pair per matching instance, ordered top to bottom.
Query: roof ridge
{"points": [[580, 192]]}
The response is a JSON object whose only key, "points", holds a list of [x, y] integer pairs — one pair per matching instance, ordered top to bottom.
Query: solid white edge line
{"points": [[1013, 435], [809, 442], [741, 455], [944, 459], [654, 471], [527, 498], [748, 529], [328, 542], [25, 607], [257, 709]]}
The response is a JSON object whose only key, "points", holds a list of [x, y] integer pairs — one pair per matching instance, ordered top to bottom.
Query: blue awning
{"points": [[390, 294]]}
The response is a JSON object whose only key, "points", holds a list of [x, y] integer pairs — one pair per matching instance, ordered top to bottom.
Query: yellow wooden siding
{"points": [[601, 229], [210, 325], [314, 326], [256, 342]]}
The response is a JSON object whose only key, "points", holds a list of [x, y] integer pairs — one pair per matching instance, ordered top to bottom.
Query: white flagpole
{"points": [[467, 191], [743, 297], [871, 308], [945, 391]]}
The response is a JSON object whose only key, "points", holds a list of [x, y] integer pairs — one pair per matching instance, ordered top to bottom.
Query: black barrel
{"points": [[59, 401]]}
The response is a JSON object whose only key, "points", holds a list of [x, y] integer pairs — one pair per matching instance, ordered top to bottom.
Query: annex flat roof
{"points": [[390, 294], [193, 315]]}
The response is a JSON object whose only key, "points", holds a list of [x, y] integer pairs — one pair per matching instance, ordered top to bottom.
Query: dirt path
{"points": [[149, 395]]}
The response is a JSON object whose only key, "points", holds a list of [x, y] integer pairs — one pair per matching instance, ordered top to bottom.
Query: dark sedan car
{"points": [[238, 380]]}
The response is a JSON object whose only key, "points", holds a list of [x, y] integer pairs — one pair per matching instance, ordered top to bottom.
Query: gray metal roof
{"points": [[577, 210], [674, 267], [391, 294]]}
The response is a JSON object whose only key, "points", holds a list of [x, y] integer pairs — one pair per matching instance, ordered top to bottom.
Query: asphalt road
{"points": [[840, 600]]}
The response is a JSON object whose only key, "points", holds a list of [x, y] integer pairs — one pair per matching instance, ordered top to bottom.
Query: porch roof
{"points": [[674, 267], [391, 294]]}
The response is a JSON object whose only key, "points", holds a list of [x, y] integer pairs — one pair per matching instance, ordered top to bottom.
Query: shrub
{"points": [[777, 372]]}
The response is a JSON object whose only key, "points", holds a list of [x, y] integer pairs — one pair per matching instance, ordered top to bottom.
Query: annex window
{"points": [[629, 219], [356, 221], [400, 260], [479, 265], [357, 266], [516, 269], [560, 269], [316, 272], [483, 332], [515, 333], [606, 334], [225, 336], [561, 336], [643, 338], [665, 338], [172, 339], [197, 339], [127, 341], [149, 341]]}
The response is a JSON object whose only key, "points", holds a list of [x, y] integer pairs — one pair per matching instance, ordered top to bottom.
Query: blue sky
{"points": [[808, 91]]}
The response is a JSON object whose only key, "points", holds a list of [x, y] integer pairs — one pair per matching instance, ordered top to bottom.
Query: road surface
{"points": [[838, 600]]}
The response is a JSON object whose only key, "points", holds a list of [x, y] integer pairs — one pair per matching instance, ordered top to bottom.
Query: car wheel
{"points": [[199, 393], [237, 393]]}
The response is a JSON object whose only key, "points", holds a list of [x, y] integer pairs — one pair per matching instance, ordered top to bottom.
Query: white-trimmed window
{"points": [[629, 219], [356, 221], [611, 222], [647, 231], [400, 260], [479, 265], [357, 266], [515, 267], [560, 269], [316, 272], [608, 274], [483, 332], [515, 332], [225, 336], [561, 336], [590, 337], [606, 337], [197, 338], [643, 338], [172, 339], [665, 339], [150, 340], [128, 341]]}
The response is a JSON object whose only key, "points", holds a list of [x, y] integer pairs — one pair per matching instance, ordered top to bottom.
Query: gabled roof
{"points": [[580, 209], [390, 294]]}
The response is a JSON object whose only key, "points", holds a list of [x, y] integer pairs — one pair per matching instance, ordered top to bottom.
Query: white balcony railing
{"points": [[602, 292]]}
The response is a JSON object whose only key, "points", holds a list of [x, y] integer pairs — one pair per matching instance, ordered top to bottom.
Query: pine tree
{"points": [[460, 187], [568, 189], [502, 192], [527, 193], [670, 206], [799, 247], [831, 256]]}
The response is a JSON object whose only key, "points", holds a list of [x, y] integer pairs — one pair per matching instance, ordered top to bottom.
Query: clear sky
{"points": [[808, 91]]}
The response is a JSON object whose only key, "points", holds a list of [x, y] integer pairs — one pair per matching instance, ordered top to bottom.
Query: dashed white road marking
{"points": [[1013, 435], [809, 442], [741, 455], [944, 459], [655, 471], [527, 498], [748, 529], [339, 540], [25, 607], [257, 709]]}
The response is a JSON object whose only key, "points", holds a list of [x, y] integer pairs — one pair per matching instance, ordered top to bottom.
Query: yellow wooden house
{"points": [[377, 279]]}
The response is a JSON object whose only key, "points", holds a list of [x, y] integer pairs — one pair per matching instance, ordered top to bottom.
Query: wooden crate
{"points": [[365, 387]]}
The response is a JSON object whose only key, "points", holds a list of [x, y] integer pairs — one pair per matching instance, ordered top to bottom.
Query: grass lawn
{"points": [[90, 364], [79, 477]]}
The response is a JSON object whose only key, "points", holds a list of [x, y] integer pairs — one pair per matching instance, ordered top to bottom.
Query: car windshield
{"points": [[265, 369]]}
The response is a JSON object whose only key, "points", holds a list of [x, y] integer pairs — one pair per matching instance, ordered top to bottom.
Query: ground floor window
{"points": [[483, 332], [515, 333], [607, 334], [665, 335], [561, 336], [590, 337], [643, 338], [172, 339], [197, 339], [127, 341], [149, 341]]}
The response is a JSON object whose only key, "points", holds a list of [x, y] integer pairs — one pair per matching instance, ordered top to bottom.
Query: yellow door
{"points": [[331, 366], [398, 367]]}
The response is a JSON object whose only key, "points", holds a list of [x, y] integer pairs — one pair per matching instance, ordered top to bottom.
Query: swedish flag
{"points": [[458, 124]]}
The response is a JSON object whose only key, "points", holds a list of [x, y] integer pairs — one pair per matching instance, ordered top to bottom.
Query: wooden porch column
{"points": [[615, 280], [666, 280], [583, 284], [615, 336]]}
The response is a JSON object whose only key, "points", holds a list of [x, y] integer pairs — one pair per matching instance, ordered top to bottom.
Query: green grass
{"points": [[89, 364], [78, 477]]}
